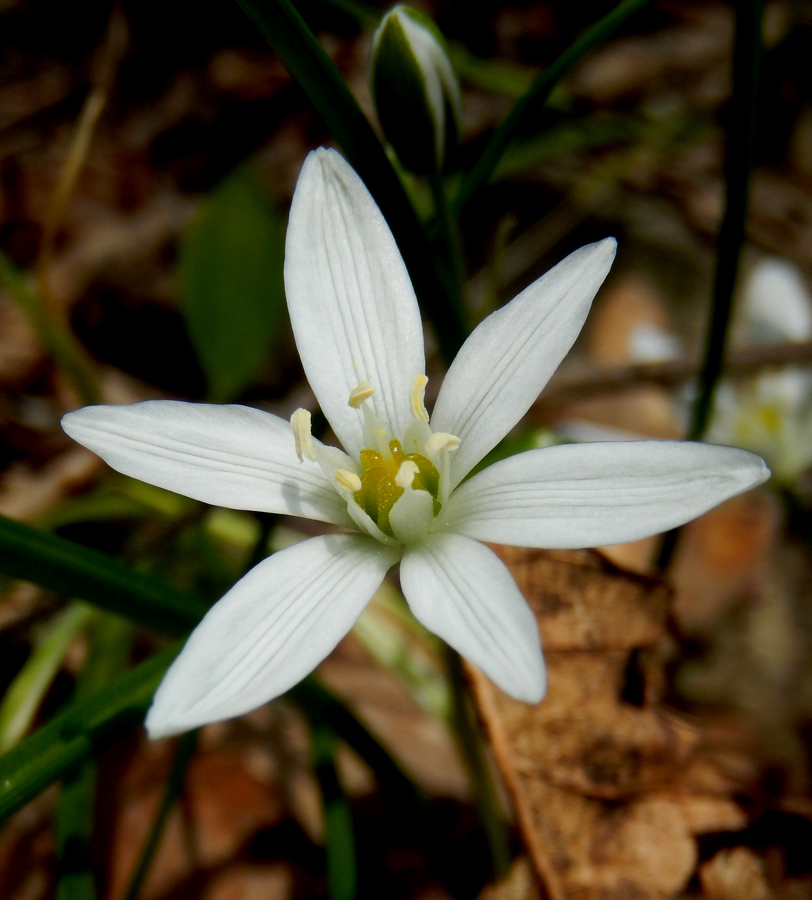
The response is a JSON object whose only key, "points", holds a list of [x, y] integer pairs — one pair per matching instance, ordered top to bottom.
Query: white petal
{"points": [[777, 304], [352, 307], [504, 364], [231, 456], [590, 495], [461, 591], [269, 631]]}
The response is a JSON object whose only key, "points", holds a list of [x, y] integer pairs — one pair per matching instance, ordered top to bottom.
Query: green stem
{"points": [[747, 53], [529, 106], [738, 168], [453, 247], [60, 343], [183, 756], [479, 771], [339, 839]]}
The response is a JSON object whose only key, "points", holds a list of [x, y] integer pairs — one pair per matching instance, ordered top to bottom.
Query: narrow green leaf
{"points": [[748, 51], [307, 62], [530, 104], [740, 140], [232, 291], [60, 343], [75, 571], [24, 695], [319, 704], [85, 727], [79, 732], [183, 756], [76, 810], [74, 830]]}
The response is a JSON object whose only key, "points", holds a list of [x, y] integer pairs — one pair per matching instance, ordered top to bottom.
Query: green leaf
{"points": [[528, 107], [232, 290], [75, 571], [24, 695], [87, 726], [79, 732], [183, 756], [76, 809], [74, 828]]}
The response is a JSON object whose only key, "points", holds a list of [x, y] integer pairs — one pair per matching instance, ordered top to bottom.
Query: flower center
{"points": [[379, 481], [390, 494]]}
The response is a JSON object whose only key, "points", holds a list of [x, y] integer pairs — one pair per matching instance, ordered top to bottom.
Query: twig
{"points": [[741, 364]]}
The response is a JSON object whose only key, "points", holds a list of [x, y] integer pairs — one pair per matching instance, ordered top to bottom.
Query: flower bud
{"points": [[414, 89]]}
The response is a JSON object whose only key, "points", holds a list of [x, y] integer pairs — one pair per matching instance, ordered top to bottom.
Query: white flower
{"points": [[772, 412], [399, 486]]}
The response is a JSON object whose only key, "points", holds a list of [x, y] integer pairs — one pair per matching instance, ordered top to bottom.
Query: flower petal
{"points": [[352, 307], [511, 355], [231, 456], [591, 495], [461, 591], [269, 631]]}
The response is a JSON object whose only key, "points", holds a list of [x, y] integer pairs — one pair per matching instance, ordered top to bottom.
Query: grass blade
{"points": [[528, 107], [75, 571], [81, 731]]}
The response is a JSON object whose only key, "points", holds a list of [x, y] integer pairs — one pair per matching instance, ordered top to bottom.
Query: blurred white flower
{"points": [[771, 414], [398, 487]]}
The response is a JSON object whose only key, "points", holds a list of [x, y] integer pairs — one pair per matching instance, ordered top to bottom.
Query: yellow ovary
{"points": [[379, 489]]}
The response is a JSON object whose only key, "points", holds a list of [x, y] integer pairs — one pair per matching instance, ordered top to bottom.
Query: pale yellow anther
{"points": [[362, 391], [418, 398], [300, 423], [440, 443], [406, 473], [348, 480]]}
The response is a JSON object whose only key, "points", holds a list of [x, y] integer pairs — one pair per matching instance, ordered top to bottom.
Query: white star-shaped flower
{"points": [[398, 487]]}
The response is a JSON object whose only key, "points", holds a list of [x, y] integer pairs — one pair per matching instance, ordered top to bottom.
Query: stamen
{"points": [[362, 391], [418, 398], [300, 423], [440, 442], [406, 473], [348, 480]]}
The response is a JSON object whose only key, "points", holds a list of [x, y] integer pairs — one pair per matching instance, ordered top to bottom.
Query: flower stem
{"points": [[747, 53], [454, 270], [463, 718]]}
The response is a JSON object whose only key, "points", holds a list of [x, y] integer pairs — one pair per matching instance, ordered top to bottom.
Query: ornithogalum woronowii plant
{"points": [[397, 487]]}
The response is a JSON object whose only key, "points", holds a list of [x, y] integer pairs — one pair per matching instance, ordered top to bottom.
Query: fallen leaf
{"points": [[610, 788]]}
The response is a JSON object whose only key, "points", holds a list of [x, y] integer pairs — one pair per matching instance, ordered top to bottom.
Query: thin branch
{"points": [[741, 364]]}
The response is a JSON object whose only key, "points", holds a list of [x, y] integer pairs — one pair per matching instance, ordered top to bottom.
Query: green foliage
{"points": [[231, 283], [76, 571], [83, 729]]}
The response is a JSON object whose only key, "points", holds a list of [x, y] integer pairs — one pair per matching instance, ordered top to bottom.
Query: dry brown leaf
{"points": [[609, 792], [736, 874]]}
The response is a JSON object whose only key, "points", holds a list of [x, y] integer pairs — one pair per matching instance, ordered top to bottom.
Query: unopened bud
{"points": [[414, 88]]}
